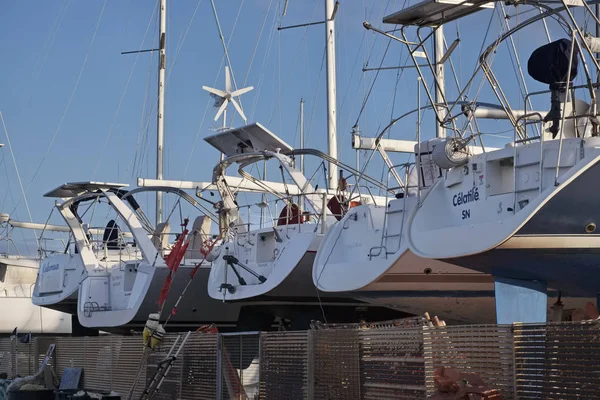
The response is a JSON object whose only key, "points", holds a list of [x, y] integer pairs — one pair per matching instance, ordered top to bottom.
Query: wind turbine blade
{"points": [[227, 80], [217, 92], [240, 92], [221, 109], [239, 109]]}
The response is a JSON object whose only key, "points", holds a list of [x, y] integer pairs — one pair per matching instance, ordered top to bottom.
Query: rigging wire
{"points": [[261, 30], [50, 39], [180, 46], [46, 49], [226, 52], [264, 64], [288, 79], [374, 80], [373, 83], [312, 113], [114, 121], [58, 128], [197, 136], [141, 148], [12, 154], [9, 191]]}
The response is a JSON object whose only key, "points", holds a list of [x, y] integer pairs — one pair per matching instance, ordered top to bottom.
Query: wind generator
{"points": [[223, 97]]}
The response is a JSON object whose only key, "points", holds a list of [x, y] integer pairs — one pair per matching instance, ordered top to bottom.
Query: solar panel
{"points": [[436, 12], [247, 139], [73, 189]]}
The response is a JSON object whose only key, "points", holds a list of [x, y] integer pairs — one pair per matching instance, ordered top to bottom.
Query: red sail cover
{"points": [[173, 260]]}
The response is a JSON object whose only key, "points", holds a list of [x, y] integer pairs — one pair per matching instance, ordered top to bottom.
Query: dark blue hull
{"points": [[554, 246]]}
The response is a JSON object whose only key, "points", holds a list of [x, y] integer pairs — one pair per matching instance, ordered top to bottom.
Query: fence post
{"points": [[13, 357], [514, 358], [259, 363], [219, 366], [310, 370]]}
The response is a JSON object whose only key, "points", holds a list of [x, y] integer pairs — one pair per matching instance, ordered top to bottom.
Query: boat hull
{"points": [[552, 238], [553, 246], [356, 256], [282, 263], [196, 307], [459, 307], [18, 311], [27, 317]]}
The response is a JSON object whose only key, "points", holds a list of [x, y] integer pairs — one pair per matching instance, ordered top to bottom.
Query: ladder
{"points": [[384, 233], [164, 367]]}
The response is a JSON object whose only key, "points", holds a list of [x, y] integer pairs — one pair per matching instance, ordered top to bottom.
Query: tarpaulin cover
{"points": [[550, 63]]}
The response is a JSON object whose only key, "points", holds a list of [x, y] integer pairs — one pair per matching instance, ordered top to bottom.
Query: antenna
{"points": [[223, 97]]}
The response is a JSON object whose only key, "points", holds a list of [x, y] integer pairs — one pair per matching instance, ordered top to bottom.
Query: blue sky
{"points": [[62, 78]]}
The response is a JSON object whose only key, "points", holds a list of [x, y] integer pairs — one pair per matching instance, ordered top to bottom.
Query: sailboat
{"points": [[446, 207], [523, 213], [367, 252], [274, 259], [266, 267], [18, 274], [115, 274], [112, 276]]}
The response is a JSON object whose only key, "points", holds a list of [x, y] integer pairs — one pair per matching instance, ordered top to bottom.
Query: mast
{"points": [[330, 10], [598, 35], [438, 40], [160, 128], [301, 134]]}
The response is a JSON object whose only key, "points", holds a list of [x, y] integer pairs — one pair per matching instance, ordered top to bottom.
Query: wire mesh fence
{"points": [[483, 350], [389, 361], [558, 361], [285, 365]]}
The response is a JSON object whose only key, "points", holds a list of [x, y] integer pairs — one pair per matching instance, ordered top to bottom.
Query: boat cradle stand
{"points": [[519, 300]]}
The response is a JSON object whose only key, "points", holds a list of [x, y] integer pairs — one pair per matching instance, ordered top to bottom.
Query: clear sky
{"points": [[77, 110]]}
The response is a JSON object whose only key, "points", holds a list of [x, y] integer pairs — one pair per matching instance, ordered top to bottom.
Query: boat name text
{"points": [[463, 198], [51, 267]]}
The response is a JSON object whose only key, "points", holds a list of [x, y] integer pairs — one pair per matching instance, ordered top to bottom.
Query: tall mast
{"points": [[330, 9], [598, 35], [438, 40], [162, 61], [302, 133]]}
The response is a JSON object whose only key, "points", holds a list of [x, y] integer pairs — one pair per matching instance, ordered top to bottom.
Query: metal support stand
{"points": [[520, 301]]}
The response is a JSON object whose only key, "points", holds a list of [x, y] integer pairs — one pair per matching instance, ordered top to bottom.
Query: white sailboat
{"points": [[523, 213], [411, 253], [274, 259], [116, 273], [18, 274]]}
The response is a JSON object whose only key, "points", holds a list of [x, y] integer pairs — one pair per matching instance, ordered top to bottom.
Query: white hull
{"points": [[495, 207], [534, 230], [263, 254], [355, 256], [58, 279], [196, 307], [18, 311], [26, 317]]}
